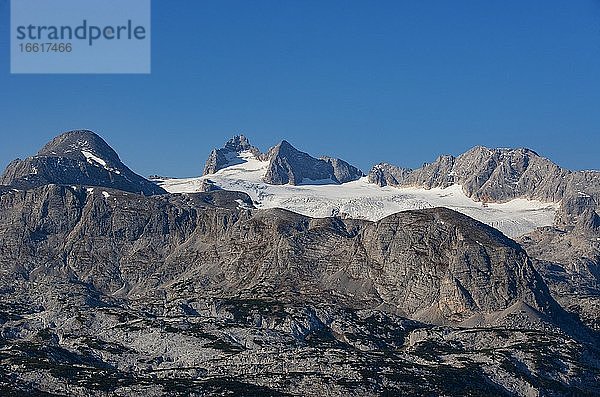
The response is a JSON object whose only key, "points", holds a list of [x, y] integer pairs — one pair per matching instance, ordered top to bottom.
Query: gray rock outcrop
{"points": [[289, 165], [342, 171], [384, 174], [407, 261], [107, 292]]}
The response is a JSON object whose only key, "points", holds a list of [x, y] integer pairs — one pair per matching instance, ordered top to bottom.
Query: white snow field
{"points": [[97, 161], [364, 200]]}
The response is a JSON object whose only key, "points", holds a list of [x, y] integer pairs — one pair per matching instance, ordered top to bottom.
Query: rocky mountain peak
{"points": [[238, 143], [79, 145], [285, 145], [284, 148], [229, 154], [482, 154], [79, 157], [286, 163], [290, 165], [384, 174], [500, 175]]}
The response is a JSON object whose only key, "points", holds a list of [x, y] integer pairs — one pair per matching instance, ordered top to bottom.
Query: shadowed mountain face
{"points": [[76, 158], [289, 165]]}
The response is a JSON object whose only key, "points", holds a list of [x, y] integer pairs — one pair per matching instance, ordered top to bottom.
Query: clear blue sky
{"points": [[395, 81]]}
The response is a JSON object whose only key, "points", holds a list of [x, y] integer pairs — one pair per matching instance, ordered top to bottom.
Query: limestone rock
{"points": [[289, 165], [500, 175]]}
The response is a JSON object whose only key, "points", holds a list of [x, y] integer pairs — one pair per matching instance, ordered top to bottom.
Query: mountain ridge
{"points": [[287, 165], [500, 175]]}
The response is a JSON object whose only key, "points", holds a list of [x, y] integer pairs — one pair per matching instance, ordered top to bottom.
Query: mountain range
{"points": [[115, 284]]}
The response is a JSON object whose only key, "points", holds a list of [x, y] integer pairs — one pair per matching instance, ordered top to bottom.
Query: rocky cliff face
{"points": [[76, 158], [289, 165], [342, 171], [384, 174], [499, 175], [409, 262], [569, 262], [444, 265]]}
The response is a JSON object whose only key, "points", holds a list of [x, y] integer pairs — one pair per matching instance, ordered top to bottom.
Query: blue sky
{"points": [[395, 81]]}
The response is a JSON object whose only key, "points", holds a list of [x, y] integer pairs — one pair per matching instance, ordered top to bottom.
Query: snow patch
{"points": [[91, 158], [95, 160], [308, 181], [242, 204]]}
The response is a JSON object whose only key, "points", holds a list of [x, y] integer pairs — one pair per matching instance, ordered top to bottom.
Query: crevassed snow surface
{"points": [[360, 199]]}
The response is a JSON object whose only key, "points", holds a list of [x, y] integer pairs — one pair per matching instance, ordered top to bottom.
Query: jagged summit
{"points": [[238, 143], [500, 150], [229, 154], [79, 157], [286, 163], [289, 165], [498, 175]]}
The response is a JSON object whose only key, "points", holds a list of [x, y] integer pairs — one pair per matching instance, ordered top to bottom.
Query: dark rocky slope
{"points": [[289, 165]]}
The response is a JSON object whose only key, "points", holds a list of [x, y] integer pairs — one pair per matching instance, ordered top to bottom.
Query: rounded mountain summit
{"points": [[79, 157]]}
